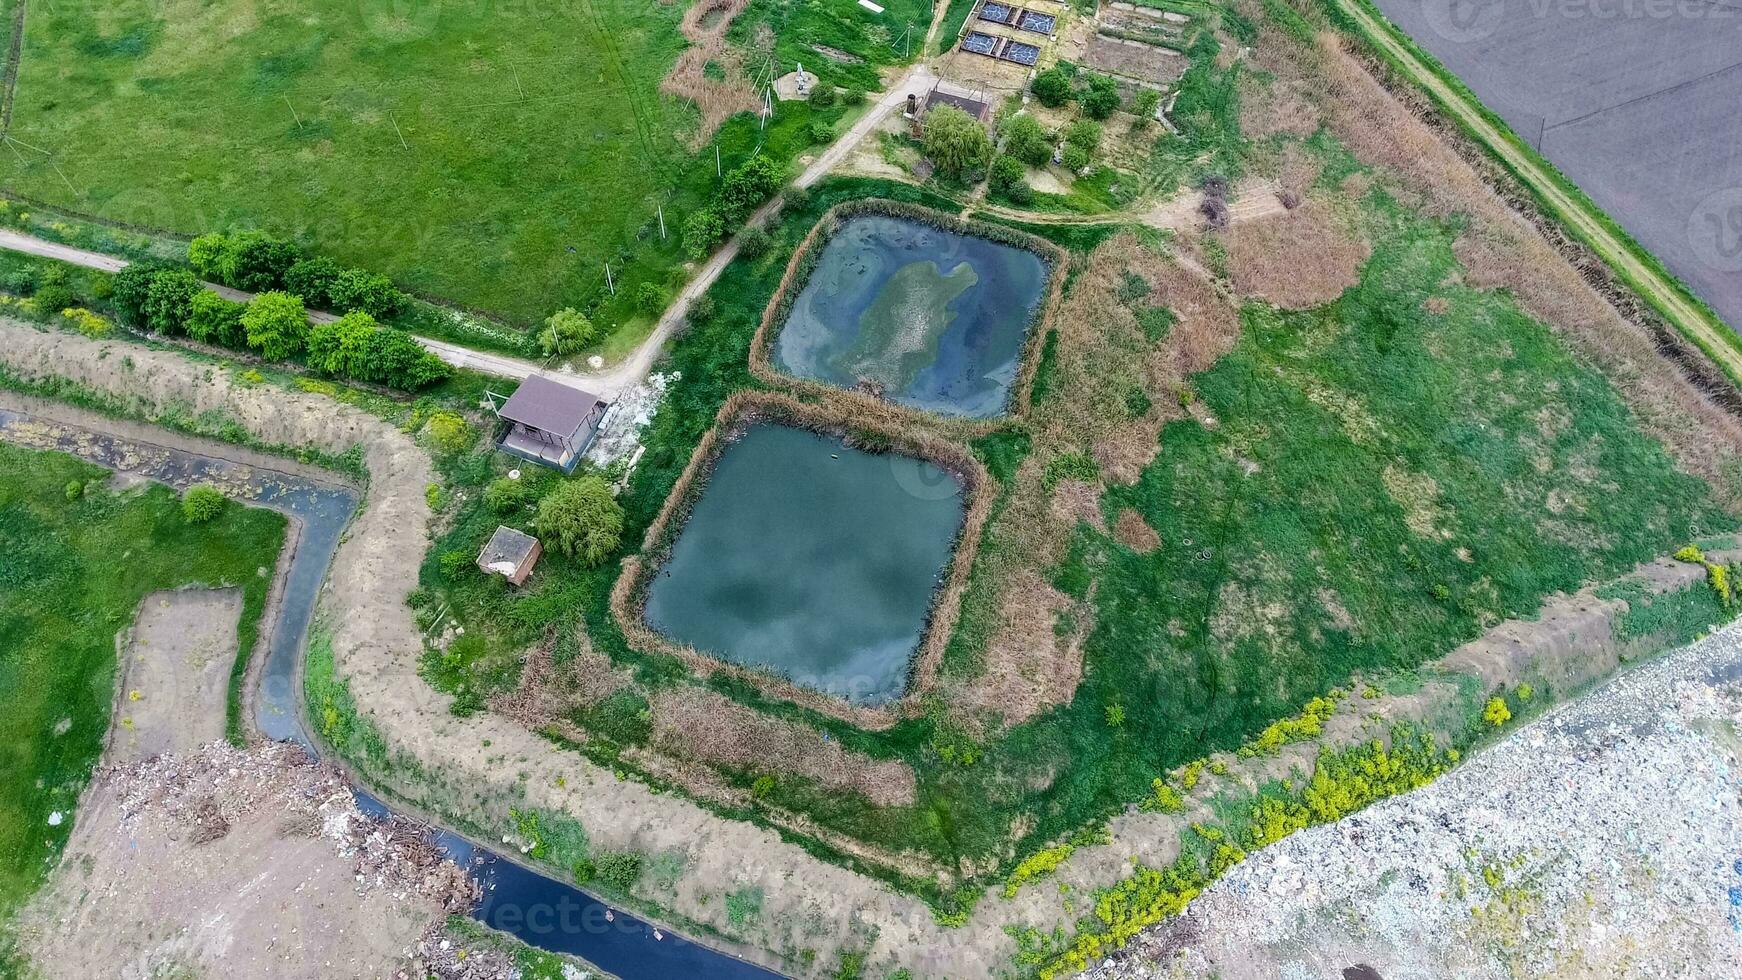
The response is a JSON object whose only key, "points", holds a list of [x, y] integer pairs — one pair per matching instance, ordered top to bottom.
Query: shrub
{"points": [[1052, 87], [852, 96], [822, 97], [1144, 104], [820, 133], [1085, 133], [1027, 140], [955, 142], [1074, 158], [1006, 172], [797, 198], [702, 231], [754, 243], [212, 257], [313, 280], [370, 292], [649, 297], [52, 298], [169, 300], [702, 309], [212, 319], [86, 322], [276, 325], [565, 332], [342, 347], [448, 432], [75, 489], [504, 495], [201, 503], [582, 520], [454, 564], [1496, 712], [1308, 724], [1163, 798], [620, 869]]}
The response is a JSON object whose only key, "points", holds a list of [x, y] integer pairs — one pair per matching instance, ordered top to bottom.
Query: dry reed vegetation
{"points": [[717, 99], [1501, 249], [1297, 259], [857, 423], [549, 691], [701, 724]]}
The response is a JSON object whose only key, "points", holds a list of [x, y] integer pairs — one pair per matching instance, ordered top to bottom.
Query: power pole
{"points": [[662, 222], [609, 284]]}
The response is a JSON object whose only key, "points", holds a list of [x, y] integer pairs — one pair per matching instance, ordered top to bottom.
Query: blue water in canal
{"points": [[539, 911]]}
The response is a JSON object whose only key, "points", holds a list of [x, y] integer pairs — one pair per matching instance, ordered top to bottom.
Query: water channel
{"points": [[540, 911]]}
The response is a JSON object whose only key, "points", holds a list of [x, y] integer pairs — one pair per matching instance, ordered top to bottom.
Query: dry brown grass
{"points": [[717, 99], [1282, 106], [1298, 259], [1132, 531], [1029, 666], [548, 691], [701, 724]]}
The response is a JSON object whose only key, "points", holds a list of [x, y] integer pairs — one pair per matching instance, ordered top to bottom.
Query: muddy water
{"points": [[935, 319], [811, 559], [540, 911]]}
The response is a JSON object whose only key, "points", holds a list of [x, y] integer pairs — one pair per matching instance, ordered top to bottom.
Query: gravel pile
{"points": [[1604, 839]]}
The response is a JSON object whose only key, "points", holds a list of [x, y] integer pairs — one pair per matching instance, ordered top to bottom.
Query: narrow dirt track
{"points": [[1697, 324]]}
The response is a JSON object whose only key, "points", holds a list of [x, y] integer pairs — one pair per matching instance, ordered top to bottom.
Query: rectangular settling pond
{"points": [[935, 319], [813, 559]]}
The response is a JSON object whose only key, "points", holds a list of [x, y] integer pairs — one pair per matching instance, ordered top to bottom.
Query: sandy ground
{"points": [[174, 673], [1604, 840], [218, 861]]}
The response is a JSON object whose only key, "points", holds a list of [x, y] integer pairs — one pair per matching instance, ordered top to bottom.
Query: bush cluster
{"points": [[742, 192], [257, 262], [169, 300], [201, 503]]}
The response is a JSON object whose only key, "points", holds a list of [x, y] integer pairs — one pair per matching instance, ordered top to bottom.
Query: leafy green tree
{"points": [[1052, 87], [1102, 98], [1144, 104], [1085, 133], [1027, 140], [955, 142], [1007, 178], [748, 186], [702, 231], [753, 243], [213, 257], [260, 261], [313, 279], [132, 288], [370, 292], [169, 300], [212, 319], [276, 325], [565, 332], [341, 348], [394, 357], [202, 503], [581, 519]]}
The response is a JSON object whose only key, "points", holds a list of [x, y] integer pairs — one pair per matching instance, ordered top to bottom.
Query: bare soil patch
{"points": [[174, 673]]}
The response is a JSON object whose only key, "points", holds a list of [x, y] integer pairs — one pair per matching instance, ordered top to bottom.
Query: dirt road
{"points": [[1667, 296]]}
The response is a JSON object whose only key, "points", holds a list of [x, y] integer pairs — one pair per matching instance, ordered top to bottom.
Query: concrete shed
{"points": [[510, 554]]}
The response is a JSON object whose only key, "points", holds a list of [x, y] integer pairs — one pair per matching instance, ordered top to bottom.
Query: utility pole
{"points": [[717, 172], [662, 222], [609, 284]]}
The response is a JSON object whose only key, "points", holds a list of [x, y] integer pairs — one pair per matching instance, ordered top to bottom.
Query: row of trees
{"points": [[742, 192], [257, 262], [171, 300]]}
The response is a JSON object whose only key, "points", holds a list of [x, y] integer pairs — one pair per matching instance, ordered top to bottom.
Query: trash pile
{"points": [[620, 433], [202, 795]]}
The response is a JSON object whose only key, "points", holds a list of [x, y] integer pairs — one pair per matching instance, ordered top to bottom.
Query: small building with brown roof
{"points": [[550, 422], [510, 554]]}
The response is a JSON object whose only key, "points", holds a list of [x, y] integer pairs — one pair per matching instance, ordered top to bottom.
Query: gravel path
{"points": [[1602, 840]]}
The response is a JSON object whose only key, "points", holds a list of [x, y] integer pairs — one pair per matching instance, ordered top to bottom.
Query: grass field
{"points": [[495, 157], [72, 572]]}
